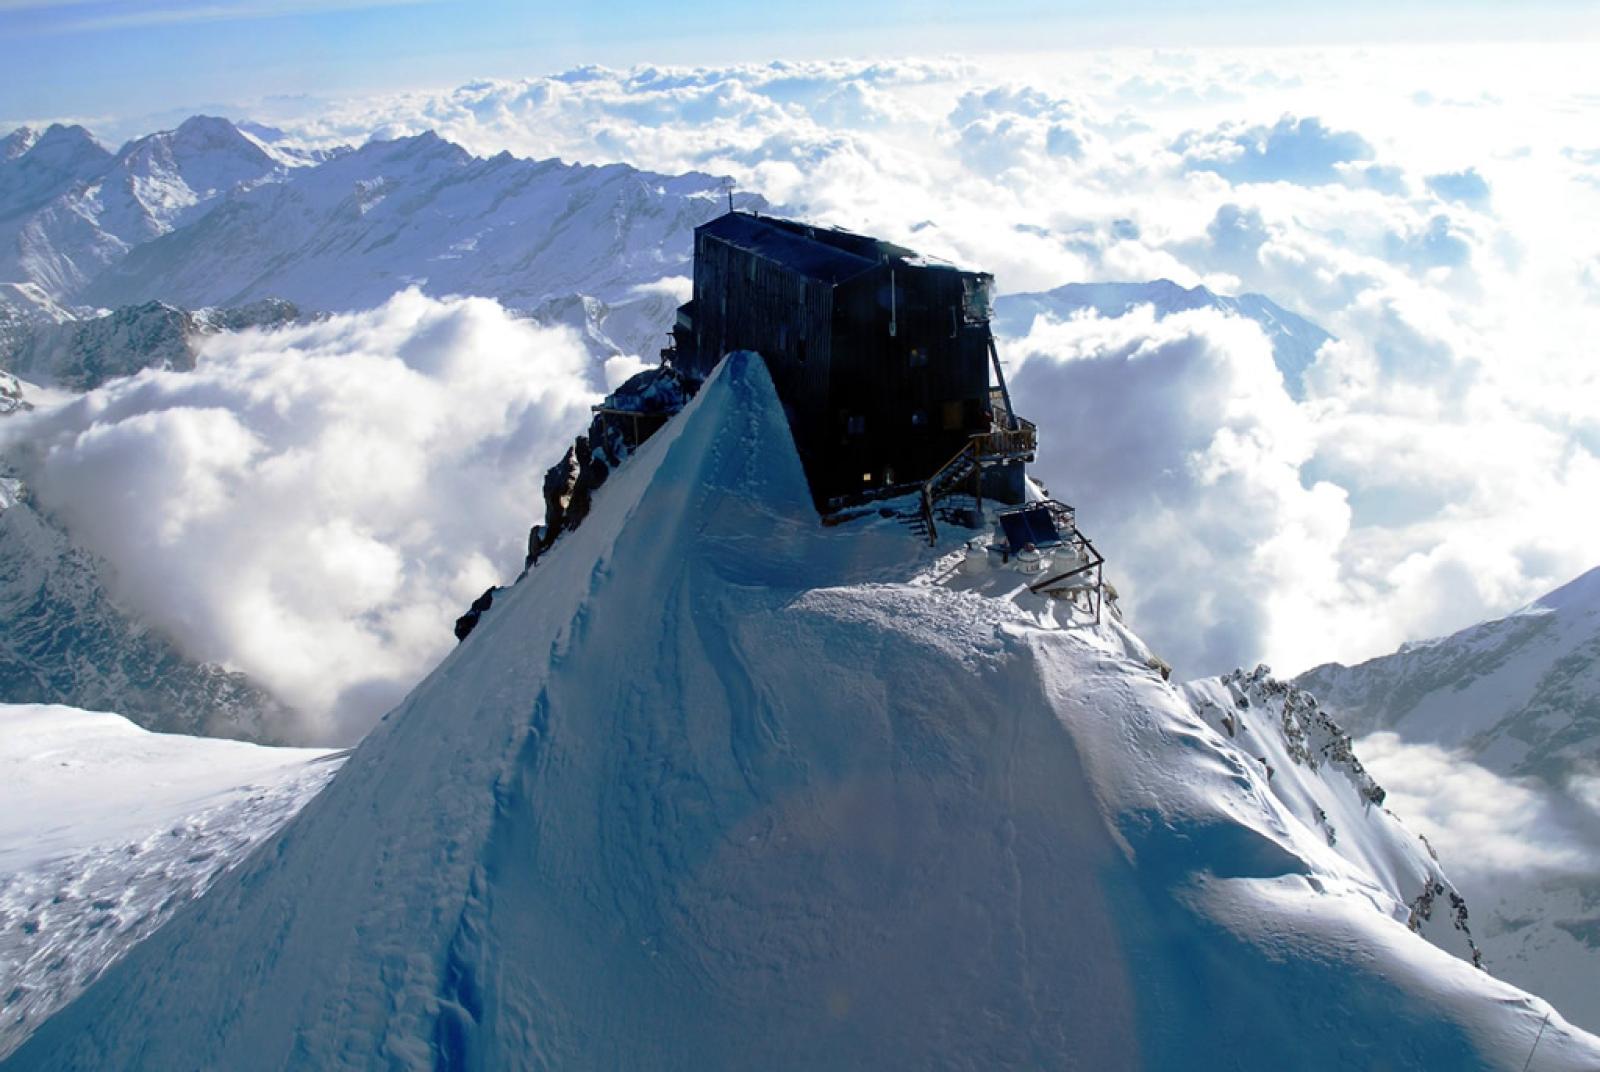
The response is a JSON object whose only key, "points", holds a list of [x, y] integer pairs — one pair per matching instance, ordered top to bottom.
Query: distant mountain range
{"points": [[209, 215]]}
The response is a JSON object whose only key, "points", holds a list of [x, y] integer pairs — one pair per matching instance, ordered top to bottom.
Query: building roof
{"points": [[789, 244]]}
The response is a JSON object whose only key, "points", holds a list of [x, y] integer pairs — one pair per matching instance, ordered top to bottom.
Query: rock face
{"points": [[80, 355], [629, 415], [63, 641], [1277, 718], [721, 787]]}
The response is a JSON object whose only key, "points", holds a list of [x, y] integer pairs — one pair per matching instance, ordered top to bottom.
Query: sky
{"points": [[117, 63]]}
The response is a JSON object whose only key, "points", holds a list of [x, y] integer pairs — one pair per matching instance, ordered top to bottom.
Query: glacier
{"points": [[714, 785]]}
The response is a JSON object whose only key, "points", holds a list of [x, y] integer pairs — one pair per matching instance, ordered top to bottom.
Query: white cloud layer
{"points": [[315, 505], [1479, 823]]}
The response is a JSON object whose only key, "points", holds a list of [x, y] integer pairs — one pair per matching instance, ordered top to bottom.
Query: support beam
{"points": [[999, 374]]}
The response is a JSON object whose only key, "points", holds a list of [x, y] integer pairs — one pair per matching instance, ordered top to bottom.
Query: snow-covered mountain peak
{"points": [[17, 142], [202, 144], [67, 150], [1579, 597], [1516, 692], [829, 801]]}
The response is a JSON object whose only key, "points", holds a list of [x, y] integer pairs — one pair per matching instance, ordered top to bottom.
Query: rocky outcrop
{"points": [[80, 355], [629, 415]]}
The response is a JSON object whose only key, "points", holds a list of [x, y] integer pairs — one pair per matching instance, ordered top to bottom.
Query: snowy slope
{"points": [[350, 232], [1294, 339], [64, 641], [1520, 696], [717, 787], [105, 829]]}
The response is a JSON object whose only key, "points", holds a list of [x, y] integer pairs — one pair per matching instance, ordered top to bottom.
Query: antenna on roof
{"points": [[727, 186]]}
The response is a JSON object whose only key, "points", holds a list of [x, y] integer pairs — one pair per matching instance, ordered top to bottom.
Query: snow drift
{"points": [[718, 787], [105, 829]]}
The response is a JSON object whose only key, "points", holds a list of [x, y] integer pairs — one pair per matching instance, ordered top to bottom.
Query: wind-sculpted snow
{"points": [[715, 786], [106, 829]]}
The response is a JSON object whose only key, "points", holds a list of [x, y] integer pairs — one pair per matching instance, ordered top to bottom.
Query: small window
{"points": [[918, 358], [954, 416], [919, 419], [856, 425]]}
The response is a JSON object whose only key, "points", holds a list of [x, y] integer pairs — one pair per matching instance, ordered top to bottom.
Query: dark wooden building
{"points": [[882, 358]]}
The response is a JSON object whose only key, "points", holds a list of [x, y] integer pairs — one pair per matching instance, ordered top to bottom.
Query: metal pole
{"points": [[1536, 1039]]}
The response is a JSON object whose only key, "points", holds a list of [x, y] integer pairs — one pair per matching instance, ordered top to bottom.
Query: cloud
{"points": [[1300, 150], [1464, 187], [1182, 450], [315, 505], [1478, 822]]}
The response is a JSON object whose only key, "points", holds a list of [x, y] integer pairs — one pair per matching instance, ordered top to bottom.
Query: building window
{"points": [[918, 358], [954, 416], [919, 419], [855, 425]]}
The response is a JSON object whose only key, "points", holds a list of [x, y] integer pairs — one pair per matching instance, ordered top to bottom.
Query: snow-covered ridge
{"points": [[831, 801], [106, 829]]}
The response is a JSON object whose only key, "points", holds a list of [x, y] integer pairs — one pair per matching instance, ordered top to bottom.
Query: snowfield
{"points": [[715, 786], [105, 829]]}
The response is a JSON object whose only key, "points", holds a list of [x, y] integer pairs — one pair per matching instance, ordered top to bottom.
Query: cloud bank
{"points": [[315, 505]]}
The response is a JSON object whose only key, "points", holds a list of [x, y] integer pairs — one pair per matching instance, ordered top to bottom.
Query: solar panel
{"points": [[1033, 525], [1043, 526], [1016, 529]]}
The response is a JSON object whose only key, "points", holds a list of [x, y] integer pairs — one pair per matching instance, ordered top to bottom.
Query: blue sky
{"points": [[101, 60]]}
